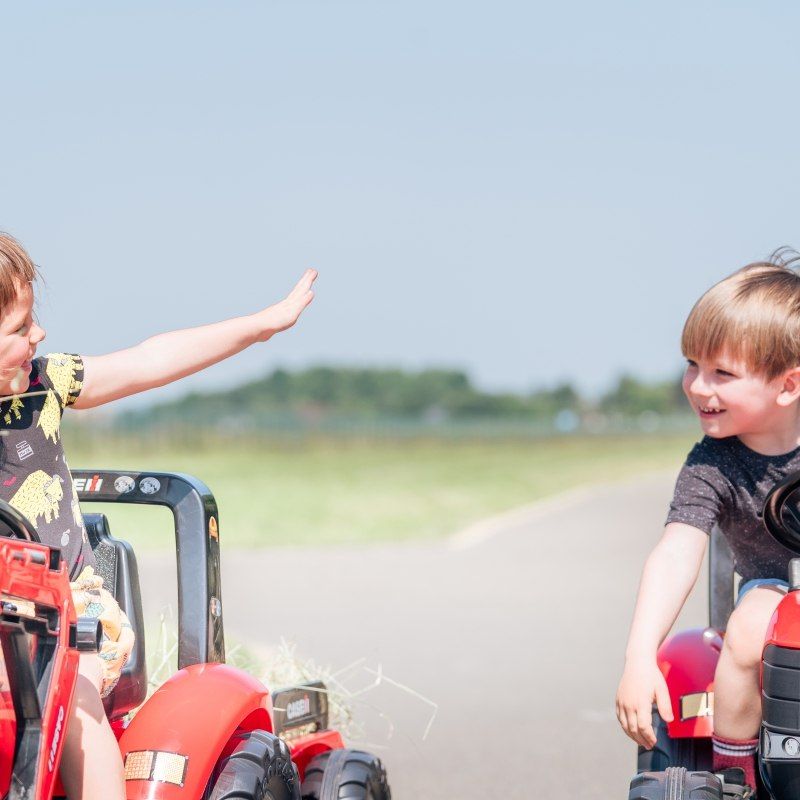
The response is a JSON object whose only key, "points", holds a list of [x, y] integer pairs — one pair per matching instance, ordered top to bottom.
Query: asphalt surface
{"points": [[514, 629]]}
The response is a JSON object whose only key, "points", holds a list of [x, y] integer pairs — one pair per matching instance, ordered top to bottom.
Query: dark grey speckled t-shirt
{"points": [[725, 483]]}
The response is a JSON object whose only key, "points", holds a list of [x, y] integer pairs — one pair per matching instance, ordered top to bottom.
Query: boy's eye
{"points": [[725, 373]]}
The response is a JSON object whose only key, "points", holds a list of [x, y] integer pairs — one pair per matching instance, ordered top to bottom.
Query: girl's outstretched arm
{"points": [[167, 357]]}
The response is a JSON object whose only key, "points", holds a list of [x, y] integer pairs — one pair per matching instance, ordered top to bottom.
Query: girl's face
{"points": [[19, 335], [729, 399]]}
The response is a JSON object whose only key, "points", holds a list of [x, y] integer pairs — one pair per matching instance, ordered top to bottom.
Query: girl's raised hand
{"points": [[284, 314]]}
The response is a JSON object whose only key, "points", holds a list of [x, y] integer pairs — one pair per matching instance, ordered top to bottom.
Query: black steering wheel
{"points": [[782, 512], [16, 525]]}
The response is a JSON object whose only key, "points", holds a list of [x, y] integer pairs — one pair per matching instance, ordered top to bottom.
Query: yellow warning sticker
{"points": [[699, 704]]}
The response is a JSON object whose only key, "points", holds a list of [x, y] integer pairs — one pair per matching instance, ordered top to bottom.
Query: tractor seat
{"points": [[116, 565]]}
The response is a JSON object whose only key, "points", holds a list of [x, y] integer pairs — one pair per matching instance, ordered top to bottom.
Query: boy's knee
{"points": [[747, 627]]}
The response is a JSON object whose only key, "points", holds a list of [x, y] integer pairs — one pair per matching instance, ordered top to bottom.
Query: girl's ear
{"points": [[790, 390]]}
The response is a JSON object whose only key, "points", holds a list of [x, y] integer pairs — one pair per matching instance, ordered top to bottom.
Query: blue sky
{"points": [[533, 192]]}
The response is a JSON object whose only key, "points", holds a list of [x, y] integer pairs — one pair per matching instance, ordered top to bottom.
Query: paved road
{"points": [[515, 629]]}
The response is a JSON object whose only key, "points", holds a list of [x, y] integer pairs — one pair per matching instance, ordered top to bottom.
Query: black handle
{"points": [[200, 631], [88, 634]]}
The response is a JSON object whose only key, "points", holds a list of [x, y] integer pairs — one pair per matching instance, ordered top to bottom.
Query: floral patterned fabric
{"points": [[92, 600]]}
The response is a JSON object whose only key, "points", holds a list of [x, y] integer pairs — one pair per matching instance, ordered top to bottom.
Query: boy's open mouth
{"points": [[705, 411]]}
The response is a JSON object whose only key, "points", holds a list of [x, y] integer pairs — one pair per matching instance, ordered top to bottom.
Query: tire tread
{"points": [[258, 757], [345, 775]]}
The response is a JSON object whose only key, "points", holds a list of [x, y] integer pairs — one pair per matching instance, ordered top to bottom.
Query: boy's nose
{"points": [[38, 334], [700, 387]]}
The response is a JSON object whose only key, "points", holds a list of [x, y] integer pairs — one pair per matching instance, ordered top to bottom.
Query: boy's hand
{"points": [[283, 315], [641, 684]]}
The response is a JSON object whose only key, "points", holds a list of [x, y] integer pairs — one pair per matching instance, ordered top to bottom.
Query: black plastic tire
{"points": [[694, 754], [259, 768], [345, 775], [676, 783]]}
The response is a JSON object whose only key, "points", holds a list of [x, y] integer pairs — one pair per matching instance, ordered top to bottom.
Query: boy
{"points": [[742, 345], [35, 479]]}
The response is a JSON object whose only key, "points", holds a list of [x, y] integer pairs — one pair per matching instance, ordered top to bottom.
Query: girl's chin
{"points": [[18, 383]]}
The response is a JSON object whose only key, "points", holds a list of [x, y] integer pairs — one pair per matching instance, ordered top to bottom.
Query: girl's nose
{"points": [[38, 334]]}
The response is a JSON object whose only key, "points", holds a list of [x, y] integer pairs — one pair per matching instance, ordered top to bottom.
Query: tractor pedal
{"points": [[733, 785]]}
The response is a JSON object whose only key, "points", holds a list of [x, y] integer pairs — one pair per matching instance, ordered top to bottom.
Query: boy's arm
{"points": [[167, 357], [669, 574]]}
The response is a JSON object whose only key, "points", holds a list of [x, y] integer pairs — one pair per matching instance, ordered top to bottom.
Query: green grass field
{"points": [[337, 491]]}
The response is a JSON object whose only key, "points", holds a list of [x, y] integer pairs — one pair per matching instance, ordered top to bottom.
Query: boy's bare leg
{"points": [[737, 695], [91, 766]]}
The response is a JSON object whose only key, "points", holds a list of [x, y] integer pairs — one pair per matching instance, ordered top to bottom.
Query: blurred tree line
{"points": [[429, 395]]}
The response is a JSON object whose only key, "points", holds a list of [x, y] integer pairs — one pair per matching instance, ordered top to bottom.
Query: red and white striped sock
{"points": [[736, 753]]}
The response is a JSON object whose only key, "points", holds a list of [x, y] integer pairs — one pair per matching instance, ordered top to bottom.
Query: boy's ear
{"points": [[790, 391]]}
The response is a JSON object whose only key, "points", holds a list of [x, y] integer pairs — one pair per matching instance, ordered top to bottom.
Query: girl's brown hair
{"points": [[16, 268], [752, 316]]}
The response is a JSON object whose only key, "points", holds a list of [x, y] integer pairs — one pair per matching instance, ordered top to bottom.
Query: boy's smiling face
{"points": [[19, 335], [731, 400]]}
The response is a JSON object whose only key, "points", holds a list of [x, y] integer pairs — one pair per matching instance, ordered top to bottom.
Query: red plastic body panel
{"points": [[21, 576], [784, 627], [688, 661], [195, 713], [8, 732], [304, 748]]}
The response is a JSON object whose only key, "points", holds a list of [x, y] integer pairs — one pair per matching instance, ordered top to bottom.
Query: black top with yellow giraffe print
{"points": [[34, 475]]}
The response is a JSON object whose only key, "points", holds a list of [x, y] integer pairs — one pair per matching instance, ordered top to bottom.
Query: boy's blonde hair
{"points": [[752, 316]]}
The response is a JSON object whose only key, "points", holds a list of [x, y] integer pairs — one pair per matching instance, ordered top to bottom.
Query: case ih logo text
{"points": [[92, 484], [298, 708], [51, 761]]}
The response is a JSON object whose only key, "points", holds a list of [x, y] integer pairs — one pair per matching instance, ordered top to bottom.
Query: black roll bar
{"points": [[194, 509], [782, 512]]}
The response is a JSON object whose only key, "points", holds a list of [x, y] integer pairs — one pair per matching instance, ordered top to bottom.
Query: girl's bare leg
{"points": [[737, 695], [91, 765]]}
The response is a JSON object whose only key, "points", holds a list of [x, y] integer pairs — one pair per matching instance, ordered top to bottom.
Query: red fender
{"points": [[784, 627], [688, 661], [192, 716], [304, 748]]}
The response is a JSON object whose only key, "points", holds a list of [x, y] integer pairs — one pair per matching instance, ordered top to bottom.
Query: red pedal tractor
{"points": [[211, 731], [679, 765]]}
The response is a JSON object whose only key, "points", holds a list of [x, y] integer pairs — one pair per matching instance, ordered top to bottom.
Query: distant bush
{"points": [[346, 397]]}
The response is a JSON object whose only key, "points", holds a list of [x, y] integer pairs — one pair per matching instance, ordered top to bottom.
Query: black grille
{"points": [[781, 689]]}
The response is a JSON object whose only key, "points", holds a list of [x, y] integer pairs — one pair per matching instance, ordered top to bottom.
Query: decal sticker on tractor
{"points": [[92, 484], [124, 484], [149, 485], [699, 704], [298, 708], [51, 761], [155, 765]]}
